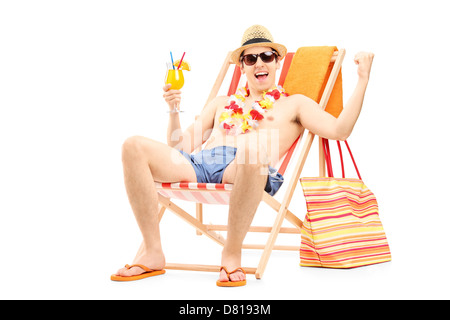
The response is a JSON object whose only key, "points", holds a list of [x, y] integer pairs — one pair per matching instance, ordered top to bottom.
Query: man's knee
{"points": [[133, 147]]}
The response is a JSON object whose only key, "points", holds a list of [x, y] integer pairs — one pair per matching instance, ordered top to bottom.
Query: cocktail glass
{"points": [[176, 79]]}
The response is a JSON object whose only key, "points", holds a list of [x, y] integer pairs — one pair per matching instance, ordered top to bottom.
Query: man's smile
{"points": [[261, 75]]}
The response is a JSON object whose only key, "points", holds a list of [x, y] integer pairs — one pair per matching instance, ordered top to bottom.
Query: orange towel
{"points": [[309, 69]]}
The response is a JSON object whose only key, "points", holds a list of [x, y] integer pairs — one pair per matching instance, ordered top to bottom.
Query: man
{"points": [[244, 139]]}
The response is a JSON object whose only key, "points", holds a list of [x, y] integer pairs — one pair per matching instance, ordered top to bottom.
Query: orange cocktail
{"points": [[175, 78]]}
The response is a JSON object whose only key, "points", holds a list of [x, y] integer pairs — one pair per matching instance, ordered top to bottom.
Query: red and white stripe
{"points": [[209, 193]]}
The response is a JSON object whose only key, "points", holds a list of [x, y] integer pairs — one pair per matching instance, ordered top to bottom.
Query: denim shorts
{"points": [[209, 166]]}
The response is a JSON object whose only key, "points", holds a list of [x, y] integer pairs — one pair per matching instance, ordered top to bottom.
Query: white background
{"points": [[79, 77]]}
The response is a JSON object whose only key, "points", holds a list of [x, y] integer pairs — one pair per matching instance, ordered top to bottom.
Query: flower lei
{"points": [[235, 122]]}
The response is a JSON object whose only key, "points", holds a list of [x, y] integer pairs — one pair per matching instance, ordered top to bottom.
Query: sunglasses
{"points": [[266, 57]]}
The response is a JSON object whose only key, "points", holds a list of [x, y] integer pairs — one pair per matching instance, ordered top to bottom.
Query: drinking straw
{"points": [[171, 57], [182, 57]]}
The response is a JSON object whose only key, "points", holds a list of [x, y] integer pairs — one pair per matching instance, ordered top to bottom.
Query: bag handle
{"points": [[326, 151]]}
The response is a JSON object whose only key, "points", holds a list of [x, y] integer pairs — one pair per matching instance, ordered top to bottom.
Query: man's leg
{"points": [[144, 162], [249, 176]]}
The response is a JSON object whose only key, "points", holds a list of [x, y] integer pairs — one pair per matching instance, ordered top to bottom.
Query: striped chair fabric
{"points": [[208, 193]]}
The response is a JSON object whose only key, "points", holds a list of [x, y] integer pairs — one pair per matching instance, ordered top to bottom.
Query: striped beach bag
{"points": [[342, 228]]}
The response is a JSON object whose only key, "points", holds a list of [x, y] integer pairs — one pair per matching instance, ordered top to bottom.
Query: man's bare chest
{"points": [[281, 116]]}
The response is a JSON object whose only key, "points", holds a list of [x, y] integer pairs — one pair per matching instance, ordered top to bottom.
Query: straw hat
{"points": [[257, 36]]}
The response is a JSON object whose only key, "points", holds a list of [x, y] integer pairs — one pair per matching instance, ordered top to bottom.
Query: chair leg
{"points": [[161, 212], [199, 214]]}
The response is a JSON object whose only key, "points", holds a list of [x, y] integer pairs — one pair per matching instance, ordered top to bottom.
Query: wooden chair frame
{"points": [[283, 213]]}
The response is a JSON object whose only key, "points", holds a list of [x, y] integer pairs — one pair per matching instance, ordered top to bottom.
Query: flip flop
{"points": [[148, 273], [231, 283]]}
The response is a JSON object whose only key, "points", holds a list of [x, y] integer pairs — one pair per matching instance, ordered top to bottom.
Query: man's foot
{"points": [[151, 260], [231, 270], [147, 273], [236, 274], [232, 283]]}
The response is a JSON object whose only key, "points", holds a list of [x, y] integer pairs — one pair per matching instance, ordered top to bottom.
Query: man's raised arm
{"points": [[347, 119], [325, 125]]}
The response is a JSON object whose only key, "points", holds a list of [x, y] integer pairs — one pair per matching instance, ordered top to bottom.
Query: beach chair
{"points": [[318, 86]]}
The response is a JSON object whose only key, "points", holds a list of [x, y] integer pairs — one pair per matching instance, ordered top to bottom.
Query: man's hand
{"points": [[364, 62], [172, 97]]}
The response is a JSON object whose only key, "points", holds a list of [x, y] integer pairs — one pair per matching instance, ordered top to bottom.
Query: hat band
{"points": [[256, 40]]}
